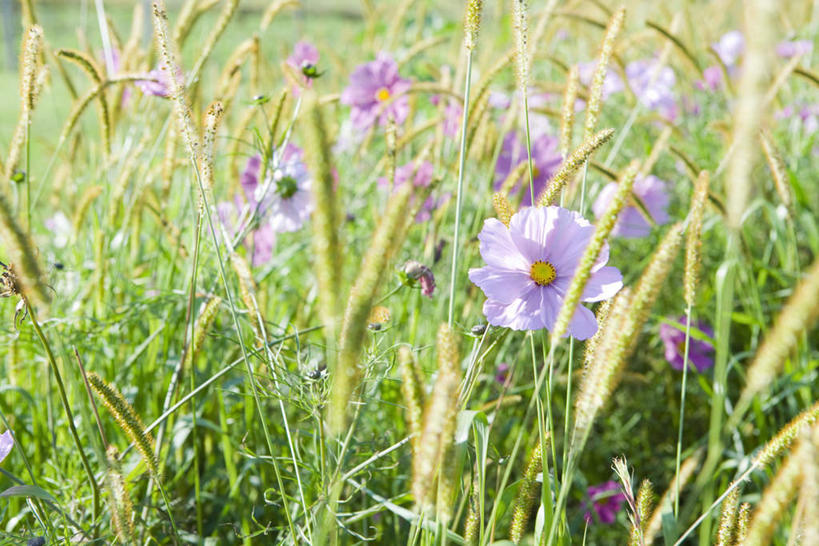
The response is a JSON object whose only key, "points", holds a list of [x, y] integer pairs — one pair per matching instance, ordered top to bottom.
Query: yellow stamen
{"points": [[382, 94], [543, 273]]}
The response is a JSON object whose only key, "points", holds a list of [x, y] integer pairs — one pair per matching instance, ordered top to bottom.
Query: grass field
{"points": [[409, 272]]}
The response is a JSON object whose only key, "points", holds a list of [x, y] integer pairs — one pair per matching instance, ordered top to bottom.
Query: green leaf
{"points": [[28, 491]]}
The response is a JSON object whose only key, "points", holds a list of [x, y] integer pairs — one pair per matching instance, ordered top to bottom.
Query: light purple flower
{"points": [[730, 47], [788, 48], [304, 59], [711, 78], [159, 84], [653, 85], [376, 93], [453, 113], [545, 160], [421, 176], [632, 224], [261, 241], [529, 267], [700, 353], [6, 443], [607, 500]]}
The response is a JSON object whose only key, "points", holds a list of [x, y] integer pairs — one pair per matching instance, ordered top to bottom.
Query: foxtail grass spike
{"points": [[228, 10], [521, 22], [472, 23], [30, 52], [90, 67], [595, 101], [567, 113], [212, 118], [570, 165], [778, 171], [503, 209], [601, 233], [693, 242], [22, 254], [798, 315], [203, 325], [449, 364], [413, 393], [127, 419], [783, 440], [527, 494], [809, 494], [645, 501], [664, 505], [122, 509], [728, 519], [743, 520]]}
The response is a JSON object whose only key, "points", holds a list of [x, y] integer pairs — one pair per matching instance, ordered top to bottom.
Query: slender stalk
{"points": [[460, 196], [64, 398], [682, 408]]}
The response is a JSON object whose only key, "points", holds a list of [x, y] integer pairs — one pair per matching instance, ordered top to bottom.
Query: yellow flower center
{"points": [[382, 94], [543, 273]]}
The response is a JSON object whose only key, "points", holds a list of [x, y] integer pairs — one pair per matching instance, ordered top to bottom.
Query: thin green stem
{"points": [[460, 195], [682, 409]]}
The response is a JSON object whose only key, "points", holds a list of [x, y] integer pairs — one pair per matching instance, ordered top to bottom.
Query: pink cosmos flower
{"points": [[788, 48], [304, 59], [159, 84], [654, 86], [371, 93], [545, 160], [421, 176], [632, 224], [529, 267], [700, 353], [6, 443], [607, 500]]}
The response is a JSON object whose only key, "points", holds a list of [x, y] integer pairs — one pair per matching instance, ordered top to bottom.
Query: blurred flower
{"points": [[729, 48], [788, 49], [304, 59], [653, 84], [158, 85], [371, 93], [452, 116], [808, 116], [545, 160], [421, 176], [631, 224], [61, 229], [530, 265], [417, 271], [700, 353], [501, 372], [6, 443], [607, 500]]}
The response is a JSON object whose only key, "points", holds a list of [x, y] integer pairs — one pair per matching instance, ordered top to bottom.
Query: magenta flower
{"points": [[788, 48], [729, 49], [304, 59], [159, 84], [653, 85], [376, 92], [545, 160], [421, 176], [652, 192], [530, 264], [416, 271], [700, 353], [501, 373], [6, 443], [607, 500]]}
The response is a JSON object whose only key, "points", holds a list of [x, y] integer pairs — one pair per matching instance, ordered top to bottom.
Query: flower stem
{"points": [[460, 195], [682, 408]]}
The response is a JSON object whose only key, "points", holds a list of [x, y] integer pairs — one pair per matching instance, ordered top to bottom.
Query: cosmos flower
{"points": [[792, 48], [729, 49], [304, 59], [653, 84], [158, 85], [376, 93], [545, 160], [421, 176], [631, 224], [260, 241], [529, 267], [416, 271], [700, 353], [6, 443], [607, 500]]}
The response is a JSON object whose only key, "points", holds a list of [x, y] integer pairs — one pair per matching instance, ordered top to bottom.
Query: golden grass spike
{"points": [[228, 10], [273, 10], [190, 13], [761, 20], [521, 21], [472, 23], [30, 53], [90, 67], [595, 101], [567, 113], [213, 117], [570, 165], [778, 171], [503, 209], [601, 233], [386, 241], [693, 243], [22, 255], [328, 259], [796, 317], [203, 325], [449, 364], [413, 393], [127, 419], [783, 440], [527, 494], [777, 496], [645, 500], [122, 509], [728, 519]]}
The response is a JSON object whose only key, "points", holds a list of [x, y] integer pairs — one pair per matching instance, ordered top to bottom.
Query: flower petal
{"points": [[497, 248], [603, 284], [501, 285], [583, 324]]}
